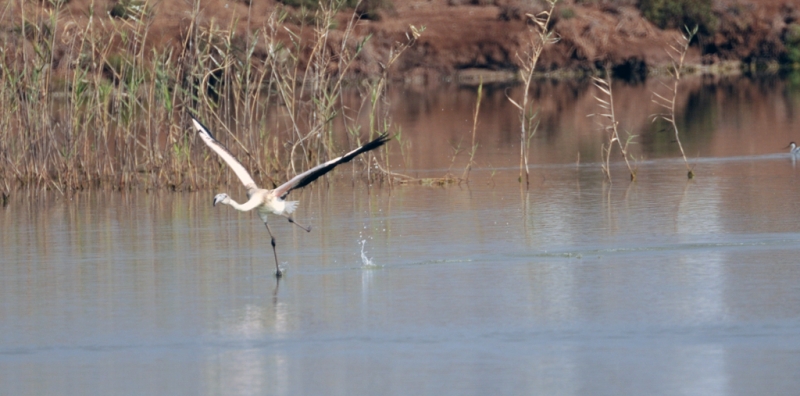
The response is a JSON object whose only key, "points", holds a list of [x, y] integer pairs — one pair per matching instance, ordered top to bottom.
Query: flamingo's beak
{"points": [[219, 198]]}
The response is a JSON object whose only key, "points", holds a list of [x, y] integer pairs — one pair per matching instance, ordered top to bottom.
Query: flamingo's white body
{"points": [[793, 148], [273, 201]]}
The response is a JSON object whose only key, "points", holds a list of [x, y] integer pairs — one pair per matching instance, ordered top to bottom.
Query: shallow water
{"points": [[573, 286]]}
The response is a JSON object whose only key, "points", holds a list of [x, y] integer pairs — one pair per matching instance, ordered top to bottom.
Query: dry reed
{"points": [[540, 36], [677, 54], [117, 118], [609, 124], [474, 146]]}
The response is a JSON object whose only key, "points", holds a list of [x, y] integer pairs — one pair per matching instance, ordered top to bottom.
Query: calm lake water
{"points": [[664, 286]]}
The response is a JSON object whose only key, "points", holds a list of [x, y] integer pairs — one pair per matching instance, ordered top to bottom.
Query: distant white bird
{"points": [[793, 148], [272, 201]]}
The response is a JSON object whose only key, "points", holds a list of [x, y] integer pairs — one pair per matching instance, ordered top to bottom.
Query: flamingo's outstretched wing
{"points": [[226, 155], [314, 173]]}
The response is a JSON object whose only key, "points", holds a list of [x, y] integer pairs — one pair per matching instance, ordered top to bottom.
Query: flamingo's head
{"points": [[223, 198]]}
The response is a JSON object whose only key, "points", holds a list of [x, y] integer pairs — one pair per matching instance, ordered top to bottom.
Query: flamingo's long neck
{"points": [[255, 201], [235, 205]]}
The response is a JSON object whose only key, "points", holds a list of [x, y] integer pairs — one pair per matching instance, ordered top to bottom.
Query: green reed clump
{"points": [[130, 9], [678, 13], [791, 39], [118, 119]]}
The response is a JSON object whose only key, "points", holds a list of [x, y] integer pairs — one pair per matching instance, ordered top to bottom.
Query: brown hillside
{"points": [[458, 36]]}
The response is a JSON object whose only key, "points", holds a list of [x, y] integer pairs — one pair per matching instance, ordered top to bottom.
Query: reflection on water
{"points": [[717, 117], [575, 286]]}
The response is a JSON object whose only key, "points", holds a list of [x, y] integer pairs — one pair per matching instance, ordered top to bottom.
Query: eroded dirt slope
{"points": [[464, 36]]}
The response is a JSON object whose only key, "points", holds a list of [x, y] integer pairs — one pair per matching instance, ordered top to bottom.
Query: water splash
{"points": [[366, 262]]}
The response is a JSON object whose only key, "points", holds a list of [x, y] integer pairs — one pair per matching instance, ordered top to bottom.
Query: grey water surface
{"points": [[573, 286]]}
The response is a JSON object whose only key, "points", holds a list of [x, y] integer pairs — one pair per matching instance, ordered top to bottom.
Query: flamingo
{"points": [[265, 201]]}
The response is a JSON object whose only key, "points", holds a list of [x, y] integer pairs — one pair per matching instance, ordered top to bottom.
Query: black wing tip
{"points": [[205, 128], [379, 141], [372, 145], [325, 168]]}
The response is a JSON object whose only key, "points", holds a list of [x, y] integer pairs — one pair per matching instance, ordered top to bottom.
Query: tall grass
{"points": [[540, 36], [677, 54], [115, 115], [607, 119], [380, 121], [474, 146]]}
